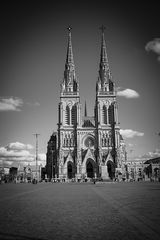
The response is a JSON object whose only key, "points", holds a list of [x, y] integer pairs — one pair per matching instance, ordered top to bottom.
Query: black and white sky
{"points": [[33, 46]]}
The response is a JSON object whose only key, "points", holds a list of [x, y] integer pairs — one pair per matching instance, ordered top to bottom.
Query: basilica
{"points": [[86, 146]]}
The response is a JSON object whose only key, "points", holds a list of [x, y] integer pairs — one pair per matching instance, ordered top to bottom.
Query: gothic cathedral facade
{"points": [[86, 146]]}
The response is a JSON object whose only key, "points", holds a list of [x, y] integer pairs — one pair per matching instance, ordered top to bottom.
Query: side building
{"points": [[87, 146], [51, 157]]}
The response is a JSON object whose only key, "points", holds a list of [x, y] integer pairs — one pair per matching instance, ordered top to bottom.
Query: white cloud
{"points": [[154, 46], [127, 93], [10, 104], [14, 104], [129, 133], [19, 146], [19, 153], [15, 155], [149, 155], [42, 156], [42, 159], [9, 163]]}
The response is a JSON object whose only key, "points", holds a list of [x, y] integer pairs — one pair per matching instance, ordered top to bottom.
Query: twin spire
{"points": [[103, 57], [70, 83]]}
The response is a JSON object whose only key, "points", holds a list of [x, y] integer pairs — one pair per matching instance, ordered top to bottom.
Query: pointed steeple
{"points": [[69, 58], [103, 58], [104, 83], [69, 84], [85, 110]]}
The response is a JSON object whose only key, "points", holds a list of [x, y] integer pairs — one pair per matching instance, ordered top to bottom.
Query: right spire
{"points": [[103, 59], [104, 83]]}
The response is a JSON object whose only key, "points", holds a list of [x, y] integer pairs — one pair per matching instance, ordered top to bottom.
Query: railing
{"points": [[106, 93], [70, 94]]}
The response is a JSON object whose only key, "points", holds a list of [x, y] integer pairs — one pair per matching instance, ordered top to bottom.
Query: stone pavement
{"points": [[80, 211]]}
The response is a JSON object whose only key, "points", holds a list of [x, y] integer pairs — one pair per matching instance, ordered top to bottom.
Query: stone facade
{"points": [[88, 146], [142, 169], [29, 172]]}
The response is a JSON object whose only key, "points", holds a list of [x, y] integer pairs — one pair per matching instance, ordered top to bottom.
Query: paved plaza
{"points": [[80, 211]]}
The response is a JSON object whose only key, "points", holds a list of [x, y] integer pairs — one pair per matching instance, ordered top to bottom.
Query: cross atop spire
{"points": [[69, 28]]}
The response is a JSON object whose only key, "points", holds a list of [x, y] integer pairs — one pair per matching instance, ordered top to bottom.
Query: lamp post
{"points": [[36, 135]]}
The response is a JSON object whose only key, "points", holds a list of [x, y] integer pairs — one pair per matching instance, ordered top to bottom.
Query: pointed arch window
{"points": [[75, 86], [111, 86], [74, 114], [104, 114], [111, 114], [67, 115], [105, 142]]}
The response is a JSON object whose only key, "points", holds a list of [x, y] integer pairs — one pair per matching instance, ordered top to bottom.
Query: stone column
{"points": [[99, 113], [78, 114], [104, 172]]}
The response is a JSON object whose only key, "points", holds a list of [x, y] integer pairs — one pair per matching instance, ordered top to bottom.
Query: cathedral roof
{"points": [[88, 122], [153, 160]]}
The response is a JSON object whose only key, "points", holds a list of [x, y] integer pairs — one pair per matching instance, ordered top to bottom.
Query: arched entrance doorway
{"points": [[90, 168], [111, 169], [70, 170]]}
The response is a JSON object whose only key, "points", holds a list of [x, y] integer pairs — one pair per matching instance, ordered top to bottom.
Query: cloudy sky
{"points": [[33, 46]]}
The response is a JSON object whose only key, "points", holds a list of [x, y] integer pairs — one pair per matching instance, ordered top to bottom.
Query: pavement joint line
{"points": [[139, 222]]}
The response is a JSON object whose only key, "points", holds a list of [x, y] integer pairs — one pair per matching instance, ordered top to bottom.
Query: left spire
{"points": [[69, 58], [69, 84]]}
